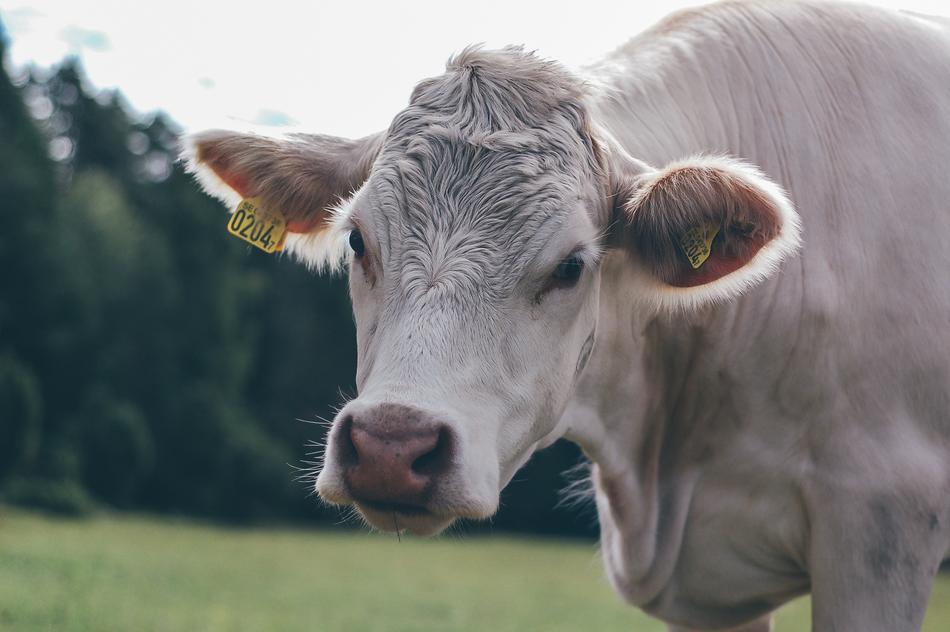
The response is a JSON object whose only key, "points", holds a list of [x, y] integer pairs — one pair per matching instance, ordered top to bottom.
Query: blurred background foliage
{"points": [[147, 360]]}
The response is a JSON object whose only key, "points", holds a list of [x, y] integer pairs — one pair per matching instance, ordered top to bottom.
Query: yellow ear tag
{"points": [[260, 227], [697, 243]]}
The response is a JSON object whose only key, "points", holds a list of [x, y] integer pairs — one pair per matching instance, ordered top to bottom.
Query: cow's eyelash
{"points": [[588, 255], [568, 270]]}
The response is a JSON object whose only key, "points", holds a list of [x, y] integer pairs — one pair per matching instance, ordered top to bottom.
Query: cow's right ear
{"points": [[302, 175]]}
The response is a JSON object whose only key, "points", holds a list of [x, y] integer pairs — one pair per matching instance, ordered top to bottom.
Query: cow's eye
{"points": [[356, 243], [567, 273]]}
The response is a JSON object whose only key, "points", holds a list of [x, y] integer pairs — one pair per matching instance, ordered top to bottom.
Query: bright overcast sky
{"points": [[339, 67]]}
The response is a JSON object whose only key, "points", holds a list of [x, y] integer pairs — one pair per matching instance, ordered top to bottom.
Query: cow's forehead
{"points": [[481, 172], [451, 184], [470, 223]]}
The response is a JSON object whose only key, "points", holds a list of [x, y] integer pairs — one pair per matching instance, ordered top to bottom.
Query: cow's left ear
{"points": [[705, 229]]}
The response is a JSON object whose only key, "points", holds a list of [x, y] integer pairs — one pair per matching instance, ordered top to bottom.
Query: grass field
{"points": [[133, 574]]}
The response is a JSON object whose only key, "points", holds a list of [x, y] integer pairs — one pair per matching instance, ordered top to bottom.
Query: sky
{"points": [[337, 67]]}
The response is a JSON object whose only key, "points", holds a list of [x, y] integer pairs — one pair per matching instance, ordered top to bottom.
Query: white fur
{"points": [[323, 251]]}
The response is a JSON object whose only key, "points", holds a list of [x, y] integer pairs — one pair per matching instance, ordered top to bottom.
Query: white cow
{"points": [[757, 365]]}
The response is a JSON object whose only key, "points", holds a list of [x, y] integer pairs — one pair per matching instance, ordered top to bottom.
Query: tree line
{"points": [[148, 361]]}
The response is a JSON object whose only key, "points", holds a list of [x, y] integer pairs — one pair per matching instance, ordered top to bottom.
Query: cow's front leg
{"points": [[873, 562], [759, 625]]}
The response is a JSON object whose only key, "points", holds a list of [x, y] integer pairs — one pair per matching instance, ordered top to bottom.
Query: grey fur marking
{"points": [[478, 172]]}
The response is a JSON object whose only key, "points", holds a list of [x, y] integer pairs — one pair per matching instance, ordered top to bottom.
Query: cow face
{"points": [[473, 238]]}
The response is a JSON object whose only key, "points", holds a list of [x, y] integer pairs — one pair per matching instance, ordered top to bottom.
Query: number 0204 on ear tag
{"points": [[260, 227], [697, 243]]}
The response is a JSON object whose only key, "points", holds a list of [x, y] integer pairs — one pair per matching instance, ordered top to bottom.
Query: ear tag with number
{"points": [[260, 227], [697, 243]]}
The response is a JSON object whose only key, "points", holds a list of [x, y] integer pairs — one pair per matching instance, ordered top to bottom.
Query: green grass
{"points": [[133, 574]]}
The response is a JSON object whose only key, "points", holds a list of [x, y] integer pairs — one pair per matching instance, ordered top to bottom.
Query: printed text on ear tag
{"points": [[260, 227], [697, 243]]}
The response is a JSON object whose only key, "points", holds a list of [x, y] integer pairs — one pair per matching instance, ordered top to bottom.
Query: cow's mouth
{"points": [[404, 509], [398, 517]]}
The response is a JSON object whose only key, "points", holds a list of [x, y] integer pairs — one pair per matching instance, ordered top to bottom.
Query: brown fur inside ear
{"points": [[302, 176], [681, 198]]}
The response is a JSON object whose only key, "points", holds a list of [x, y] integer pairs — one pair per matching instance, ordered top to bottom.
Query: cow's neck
{"points": [[652, 404], [648, 412]]}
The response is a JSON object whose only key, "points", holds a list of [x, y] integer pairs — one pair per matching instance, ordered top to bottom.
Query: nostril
{"points": [[346, 449], [436, 460]]}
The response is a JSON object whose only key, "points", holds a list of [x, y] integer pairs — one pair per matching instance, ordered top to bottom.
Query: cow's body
{"points": [[799, 437], [751, 440]]}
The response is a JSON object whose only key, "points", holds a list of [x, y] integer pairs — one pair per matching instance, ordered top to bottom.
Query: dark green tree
{"points": [[20, 412]]}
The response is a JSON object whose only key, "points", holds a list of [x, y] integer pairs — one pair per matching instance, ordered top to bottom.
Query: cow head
{"points": [[473, 230]]}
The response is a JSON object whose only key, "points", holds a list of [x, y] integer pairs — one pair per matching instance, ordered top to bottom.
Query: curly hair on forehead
{"points": [[500, 90], [497, 100], [494, 116]]}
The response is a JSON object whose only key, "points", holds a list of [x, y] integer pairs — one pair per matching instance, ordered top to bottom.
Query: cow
{"points": [[718, 260]]}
